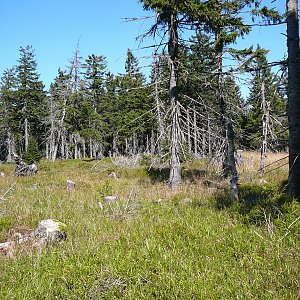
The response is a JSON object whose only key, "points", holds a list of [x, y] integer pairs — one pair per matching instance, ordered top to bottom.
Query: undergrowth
{"points": [[151, 243]]}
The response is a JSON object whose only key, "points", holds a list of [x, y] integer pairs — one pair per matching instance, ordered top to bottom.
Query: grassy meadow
{"points": [[152, 243]]}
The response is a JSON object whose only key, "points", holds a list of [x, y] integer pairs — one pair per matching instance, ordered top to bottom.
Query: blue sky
{"points": [[54, 27]]}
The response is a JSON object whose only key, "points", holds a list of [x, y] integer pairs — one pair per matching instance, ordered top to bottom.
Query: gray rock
{"points": [[70, 185]]}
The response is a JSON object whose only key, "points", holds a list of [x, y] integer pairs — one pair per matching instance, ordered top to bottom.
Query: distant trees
{"points": [[218, 24], [23, 105], [191, 106], [266, 108], [95, 113]]}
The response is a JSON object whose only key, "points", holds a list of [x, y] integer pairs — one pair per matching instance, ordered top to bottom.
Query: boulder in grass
{"points": [[52, 231], [48, 232]]}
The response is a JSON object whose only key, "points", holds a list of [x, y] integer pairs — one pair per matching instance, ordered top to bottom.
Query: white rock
{"points": [[110, 199], [53, 230]]}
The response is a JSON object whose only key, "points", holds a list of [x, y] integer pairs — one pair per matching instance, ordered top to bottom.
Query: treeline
{"points": [[90, 112]]}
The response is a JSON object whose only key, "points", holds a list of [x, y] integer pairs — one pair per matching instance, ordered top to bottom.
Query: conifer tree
{"points": [[264, 87], [91, 106], [30, 108], [134, 119], [9, 125]]}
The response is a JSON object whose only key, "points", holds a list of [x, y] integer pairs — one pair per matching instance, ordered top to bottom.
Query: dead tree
{"points": [[158, 103], [265, 126], [231, 162], [175, 167], [229, 167], [22, 169]]}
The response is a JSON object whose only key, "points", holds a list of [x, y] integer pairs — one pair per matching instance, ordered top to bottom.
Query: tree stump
{"points": [[22, 169]]}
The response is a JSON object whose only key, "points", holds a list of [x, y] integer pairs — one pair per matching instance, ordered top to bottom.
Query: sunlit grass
{"points": [[152, 243]]}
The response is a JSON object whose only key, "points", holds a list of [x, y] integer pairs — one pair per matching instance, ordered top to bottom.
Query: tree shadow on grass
{"points": [[162, 174], [256, 202]]}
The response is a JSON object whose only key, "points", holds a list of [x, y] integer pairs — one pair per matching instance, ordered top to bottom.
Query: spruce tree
{"points": [[264, 87], [30, 108], [133, 116], [9, 124]]}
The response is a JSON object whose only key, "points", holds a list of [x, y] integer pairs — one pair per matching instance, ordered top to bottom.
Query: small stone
{"points": [[2, 174], [113, 175], [70, 185], [110, 199], [157, 200]]}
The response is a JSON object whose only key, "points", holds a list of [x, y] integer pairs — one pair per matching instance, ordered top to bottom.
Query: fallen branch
{"points": [[9, 189], [288, 232]]}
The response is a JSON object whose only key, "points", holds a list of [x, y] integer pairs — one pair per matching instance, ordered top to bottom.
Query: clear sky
{"points": [[54, 27]]}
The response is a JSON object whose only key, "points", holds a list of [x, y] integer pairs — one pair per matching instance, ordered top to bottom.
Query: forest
{"points": [[181, 111], [176, 185]]}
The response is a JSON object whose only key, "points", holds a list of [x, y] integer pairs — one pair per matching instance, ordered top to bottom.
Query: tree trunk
{"points": [[293, 96], [159, 108], [265, 120], [189, 132], [26, 134], [195, 135], [209, 138], [11, 149], [231, 162], [175, 167], [229, 167]]}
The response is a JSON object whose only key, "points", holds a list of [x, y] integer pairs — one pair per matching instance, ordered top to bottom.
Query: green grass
{"points": [[192, 245]]}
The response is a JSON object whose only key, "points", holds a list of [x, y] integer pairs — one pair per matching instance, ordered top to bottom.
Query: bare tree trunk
{"points": [[293, 96], [159, 107], [265, 120], [189, 132], [26, 134], [195, 135], [209, 138], [152, 142], [63, 147], [91, 147], [83, 148], [11, 149], [115, 151], [231, 162], [175, 167], [229, 167]]}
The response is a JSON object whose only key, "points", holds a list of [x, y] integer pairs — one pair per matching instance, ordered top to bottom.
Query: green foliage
{"points": [[30, 103], [252, 125], [33, 153]]}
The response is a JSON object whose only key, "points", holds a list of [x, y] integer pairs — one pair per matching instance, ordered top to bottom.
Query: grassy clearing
{"points": [[152, 244]]}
